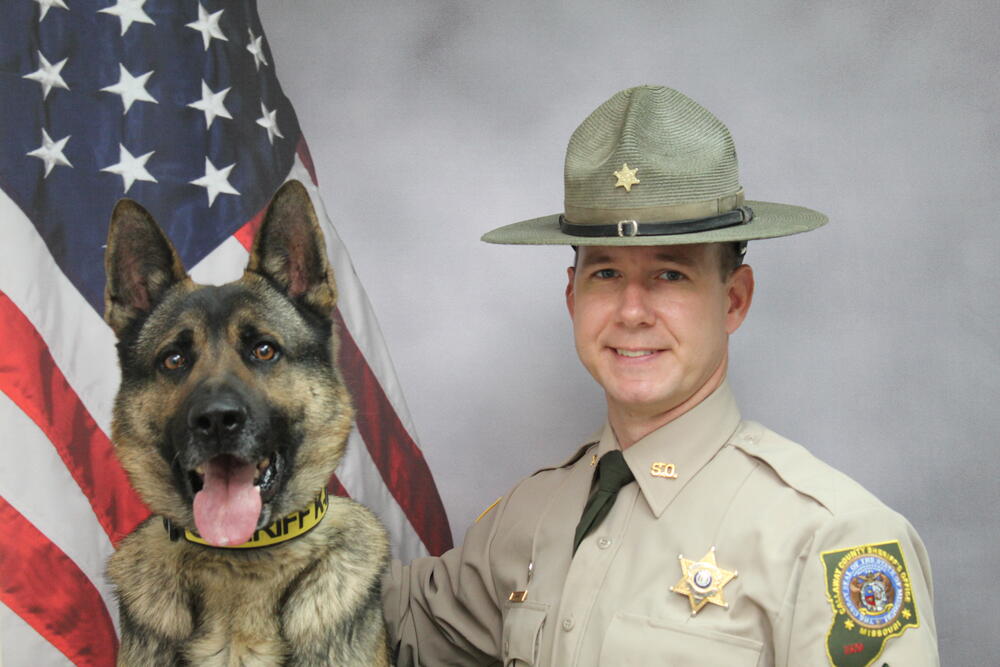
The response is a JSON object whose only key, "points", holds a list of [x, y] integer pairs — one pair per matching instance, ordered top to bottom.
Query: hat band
{"points": [[695, 210], [627, 228]]}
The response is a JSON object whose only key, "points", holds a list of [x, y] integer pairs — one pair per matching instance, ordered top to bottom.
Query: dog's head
{"points": [[231, 412]]}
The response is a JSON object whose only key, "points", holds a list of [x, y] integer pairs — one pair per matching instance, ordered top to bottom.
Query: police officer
{"points": [[680, 534]]}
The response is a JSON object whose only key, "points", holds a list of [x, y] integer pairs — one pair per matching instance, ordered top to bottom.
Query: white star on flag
{"points": [[47, 4], [129, 11], [208, 25], [256, 48], [48, 75], [131, 88], [212, 104], [269, 121], [51, 152], [131, 168], [215, 181]]}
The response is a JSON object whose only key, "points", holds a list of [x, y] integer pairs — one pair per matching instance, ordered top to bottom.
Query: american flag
{"points": [[173, 103]]}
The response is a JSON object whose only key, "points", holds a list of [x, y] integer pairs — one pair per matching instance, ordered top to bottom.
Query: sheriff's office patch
{"points": [[869, 589]]}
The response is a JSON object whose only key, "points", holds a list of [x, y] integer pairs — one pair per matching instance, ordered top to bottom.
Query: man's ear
{"points": [[289, 250], [140, 265], [740, 291], [570, 296]]}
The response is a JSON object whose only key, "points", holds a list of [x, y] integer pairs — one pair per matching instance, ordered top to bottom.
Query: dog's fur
{"points": [[187, 359]]}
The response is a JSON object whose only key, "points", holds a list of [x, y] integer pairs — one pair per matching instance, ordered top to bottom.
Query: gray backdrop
{"points": [[873, 341]]}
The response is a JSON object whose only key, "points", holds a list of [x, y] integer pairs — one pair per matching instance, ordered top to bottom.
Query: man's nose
{"points": [[635, 308]]}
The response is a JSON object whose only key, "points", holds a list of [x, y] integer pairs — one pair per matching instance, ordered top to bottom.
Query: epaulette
{"points": [[571, 460], [802, 471]]}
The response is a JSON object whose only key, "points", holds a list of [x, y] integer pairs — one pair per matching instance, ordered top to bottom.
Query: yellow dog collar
{"points": [[287, 528]]}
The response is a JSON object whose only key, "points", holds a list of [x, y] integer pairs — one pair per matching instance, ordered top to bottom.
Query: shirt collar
{"points": [[665, 460]]}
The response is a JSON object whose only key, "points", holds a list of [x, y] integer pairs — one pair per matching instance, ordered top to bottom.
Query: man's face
{"points": [[652, 323]]}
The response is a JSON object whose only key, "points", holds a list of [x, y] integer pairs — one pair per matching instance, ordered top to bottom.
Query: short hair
{"points": [[731, 256]]}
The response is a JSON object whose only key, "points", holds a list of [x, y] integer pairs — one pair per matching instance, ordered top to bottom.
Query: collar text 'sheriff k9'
{"points": [[287, 528]]}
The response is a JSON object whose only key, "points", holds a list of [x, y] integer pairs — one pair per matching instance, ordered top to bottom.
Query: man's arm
{"points": [[864, 596], [444, 611]]}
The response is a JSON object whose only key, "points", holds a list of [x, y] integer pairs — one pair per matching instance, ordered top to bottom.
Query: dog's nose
{"points": [[219, 417]]}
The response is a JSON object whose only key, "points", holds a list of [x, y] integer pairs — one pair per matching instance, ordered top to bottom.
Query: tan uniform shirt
{"points": [[768, 508]]}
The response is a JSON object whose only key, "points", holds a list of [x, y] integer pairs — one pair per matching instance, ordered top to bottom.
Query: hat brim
{"points": [[770, 220]]}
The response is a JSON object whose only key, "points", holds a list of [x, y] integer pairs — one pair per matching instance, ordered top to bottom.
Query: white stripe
{"points": [[222, 265], [81, 344], [358, 474], [39, 486], [21, 646]]}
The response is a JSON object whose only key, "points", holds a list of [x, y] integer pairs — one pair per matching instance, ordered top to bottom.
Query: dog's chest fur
{"points": [[210, 608], [239, 623]]}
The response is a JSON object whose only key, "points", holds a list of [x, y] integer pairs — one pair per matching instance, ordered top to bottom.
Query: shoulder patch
{"points": [[869, 589]]}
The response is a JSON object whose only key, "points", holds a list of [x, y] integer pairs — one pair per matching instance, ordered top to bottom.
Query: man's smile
{"points": [[632, 354]]}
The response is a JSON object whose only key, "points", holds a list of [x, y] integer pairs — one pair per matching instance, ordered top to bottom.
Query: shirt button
{"points": [[604, 542], [567, 624]]}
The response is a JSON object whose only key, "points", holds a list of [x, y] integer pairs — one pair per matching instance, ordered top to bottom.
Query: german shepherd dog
{"points": [[230, 419]]}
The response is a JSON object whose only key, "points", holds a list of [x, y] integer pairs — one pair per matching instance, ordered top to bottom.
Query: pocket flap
{"points": [[522, 631], [633, 640]]}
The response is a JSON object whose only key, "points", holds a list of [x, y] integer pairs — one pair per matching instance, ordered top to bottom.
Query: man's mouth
{"points": [[632, 354]]}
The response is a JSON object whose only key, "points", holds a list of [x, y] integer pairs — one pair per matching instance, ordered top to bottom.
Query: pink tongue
{"points": [[227, 508]]}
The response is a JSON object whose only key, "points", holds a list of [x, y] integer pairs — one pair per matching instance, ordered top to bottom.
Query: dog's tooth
{"points": [[200, 470]]}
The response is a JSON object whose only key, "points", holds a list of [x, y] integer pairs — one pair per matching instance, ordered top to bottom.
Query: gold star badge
{"points": [[626, 177], [702, 581]]}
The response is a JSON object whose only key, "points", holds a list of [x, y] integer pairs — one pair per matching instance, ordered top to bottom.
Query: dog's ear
{"points": [[289, 250], [140, 264]]}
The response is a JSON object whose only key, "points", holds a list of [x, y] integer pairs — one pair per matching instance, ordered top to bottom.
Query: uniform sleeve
{"points": [[863, 597], [443, 611]]}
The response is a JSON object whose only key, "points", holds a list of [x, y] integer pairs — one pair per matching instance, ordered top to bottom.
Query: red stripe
{"points": [[30, 377], [396, 456], [335, 488], [42, 585]]}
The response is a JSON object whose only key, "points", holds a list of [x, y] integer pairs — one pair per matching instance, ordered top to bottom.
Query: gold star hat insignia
{"points": [[626, 177], [702, 581]]}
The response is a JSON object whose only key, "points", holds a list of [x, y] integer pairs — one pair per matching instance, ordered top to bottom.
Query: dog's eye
{"points": [[265, 351], [173, 361]]}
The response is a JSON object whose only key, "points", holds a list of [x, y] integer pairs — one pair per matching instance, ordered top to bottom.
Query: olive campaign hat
{"points": [[653, 167]]}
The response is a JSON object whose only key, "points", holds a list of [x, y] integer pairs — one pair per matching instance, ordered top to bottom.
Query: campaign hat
{"points": [[653, 167]]}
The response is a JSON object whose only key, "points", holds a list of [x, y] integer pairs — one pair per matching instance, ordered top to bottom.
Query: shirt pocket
{"points": [[522, 633], [639, 641]]}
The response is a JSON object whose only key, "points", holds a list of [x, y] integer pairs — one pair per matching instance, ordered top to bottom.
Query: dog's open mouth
{"points": [[229, 494]]}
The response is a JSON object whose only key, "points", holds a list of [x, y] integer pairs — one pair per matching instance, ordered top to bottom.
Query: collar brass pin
{"points": [[626, 177], [593, 460], [662, 469], [702, 581]]}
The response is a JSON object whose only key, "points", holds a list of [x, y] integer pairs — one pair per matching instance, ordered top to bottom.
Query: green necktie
{"points": [[612, 475]]}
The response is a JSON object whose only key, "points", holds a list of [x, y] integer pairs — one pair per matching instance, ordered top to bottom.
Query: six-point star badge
{"points": [[626, 177], [702, 581]]}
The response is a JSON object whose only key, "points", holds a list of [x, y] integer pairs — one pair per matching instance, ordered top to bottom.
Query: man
{"points": [[680, 534]]}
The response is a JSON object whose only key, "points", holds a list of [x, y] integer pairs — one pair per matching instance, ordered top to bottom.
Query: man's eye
{"points": [[605, 274], [672, 276]]}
